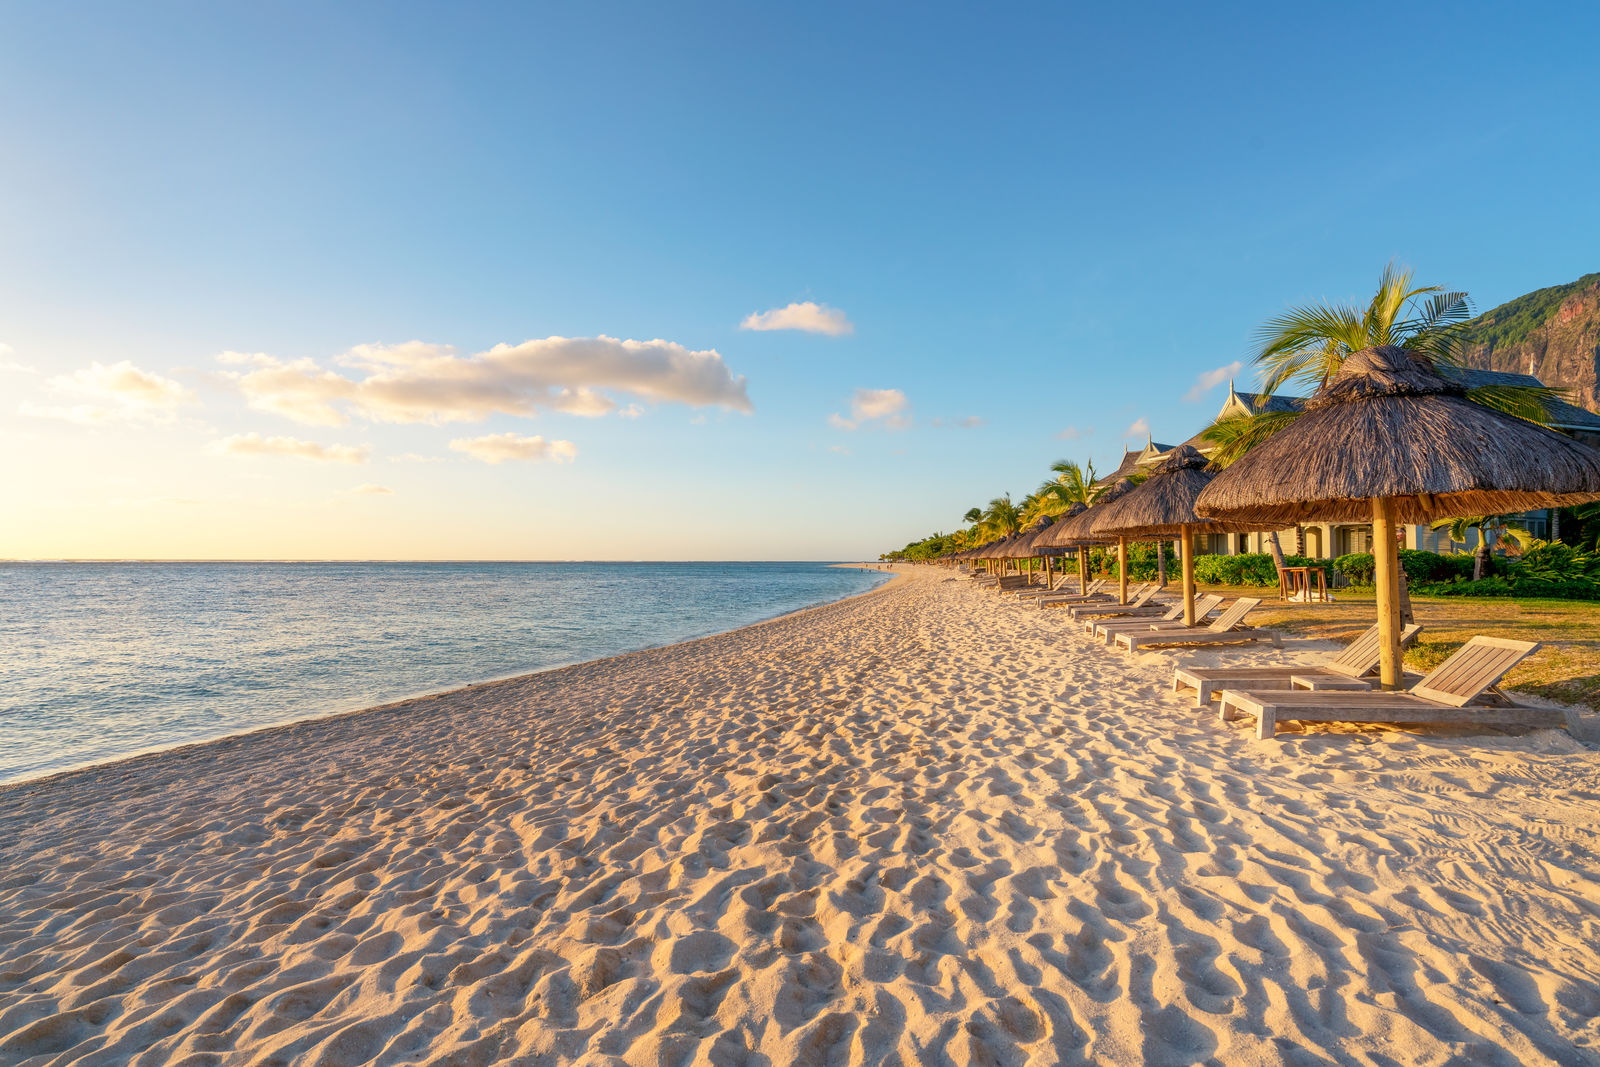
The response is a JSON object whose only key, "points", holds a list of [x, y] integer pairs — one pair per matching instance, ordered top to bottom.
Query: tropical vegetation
{"points": [[1304, 347]]}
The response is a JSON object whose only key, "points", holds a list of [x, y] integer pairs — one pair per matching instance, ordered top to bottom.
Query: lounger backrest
{"points": [[1095, 586], [1144, 595], [1203, 606], [1235, 614], [1361, 655], [1474, 667]]}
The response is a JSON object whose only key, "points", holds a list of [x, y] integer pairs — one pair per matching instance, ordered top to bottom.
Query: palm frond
{"points": [[1528, 402], [1235, 435]]}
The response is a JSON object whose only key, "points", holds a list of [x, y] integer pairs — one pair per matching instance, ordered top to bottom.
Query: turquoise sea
{"points": [[101, 660]]}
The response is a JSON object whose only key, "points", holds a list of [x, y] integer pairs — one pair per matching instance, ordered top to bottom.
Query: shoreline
{"points": [[411, 698]]}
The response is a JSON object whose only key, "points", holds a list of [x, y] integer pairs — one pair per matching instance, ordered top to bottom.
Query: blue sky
{"points": [[1049, 219]]}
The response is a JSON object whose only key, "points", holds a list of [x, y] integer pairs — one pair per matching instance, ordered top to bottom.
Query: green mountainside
{"points": [[1553, 333]]}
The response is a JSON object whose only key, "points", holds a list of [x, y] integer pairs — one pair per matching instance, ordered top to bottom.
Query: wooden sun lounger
{"points": [[1058, 586], [1092, 592], [1084, 611], [1172, 620], [1225, 630], [1349, 670], [1461, 689]]}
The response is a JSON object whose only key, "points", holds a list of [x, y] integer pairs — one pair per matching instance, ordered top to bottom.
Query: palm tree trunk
{"points": [[1277, 552], [1480, 558]]}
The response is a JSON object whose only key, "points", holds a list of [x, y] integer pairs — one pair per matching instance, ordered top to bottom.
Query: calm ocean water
{"points": [[100, 660]]}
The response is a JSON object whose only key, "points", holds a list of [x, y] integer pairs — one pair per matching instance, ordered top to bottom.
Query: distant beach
{"points": [[918, 825]]}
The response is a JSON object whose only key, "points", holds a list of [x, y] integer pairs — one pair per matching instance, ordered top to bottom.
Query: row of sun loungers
{"points": [[1464, 688]]}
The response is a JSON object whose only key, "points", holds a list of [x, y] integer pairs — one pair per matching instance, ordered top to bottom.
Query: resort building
{"points": [[1330, 540]]}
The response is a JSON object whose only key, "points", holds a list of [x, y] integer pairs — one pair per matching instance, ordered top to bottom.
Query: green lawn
{"points": [[1567, 668]]}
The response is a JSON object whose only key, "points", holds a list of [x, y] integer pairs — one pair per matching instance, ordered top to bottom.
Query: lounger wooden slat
{"points": [[1094, 593], [1084, 611], [1107, 629], [1227, 629], [1349, 670], [1452, 692]]}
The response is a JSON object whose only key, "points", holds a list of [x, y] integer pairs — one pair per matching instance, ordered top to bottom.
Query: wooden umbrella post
{"points": [[1187, 542], [1386, 559], [1122, 567]]}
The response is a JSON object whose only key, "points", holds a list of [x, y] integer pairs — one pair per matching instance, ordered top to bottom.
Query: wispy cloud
{"points": [[810, 317], [9, 364], [1208, 381], [420, 382], [116, 392], [888, 407], [1139, 427], [1074, 433], [254, 444], [500, 447], [840, 449], [413, 457], [369, 489]]}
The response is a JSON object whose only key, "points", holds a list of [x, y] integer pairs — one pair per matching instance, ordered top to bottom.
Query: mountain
{"points": [[1552, 333]]}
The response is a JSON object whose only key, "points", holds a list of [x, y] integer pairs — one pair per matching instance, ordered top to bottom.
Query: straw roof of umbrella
{"points": [[1389, 426], [1163, 504], [1072, 530], [1023, 546], [993, 549]]}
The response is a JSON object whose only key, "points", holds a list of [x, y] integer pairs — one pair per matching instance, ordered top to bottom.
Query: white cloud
{"points": [[810, 317], [9, 364], [1208, 381], [418, 382], [116, 392], [888, 406], [632, 411], [1139, 427], [1073, 433], [253, 444], [499, 447], [412, 457], [368, 489]]}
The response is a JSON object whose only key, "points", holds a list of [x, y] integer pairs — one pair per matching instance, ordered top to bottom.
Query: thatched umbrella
{"points": [[1391, 440], [1163, 506], [1077, 532], [1023, 546]]}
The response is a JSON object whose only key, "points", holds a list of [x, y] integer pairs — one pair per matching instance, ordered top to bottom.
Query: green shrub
{"points": [[1555, 561], [1358, 567], [1433, 567], [1247, 568], [1517, 586]]}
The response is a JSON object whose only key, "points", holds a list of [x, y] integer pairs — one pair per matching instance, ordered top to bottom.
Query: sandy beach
{"points": [[922, 825]]}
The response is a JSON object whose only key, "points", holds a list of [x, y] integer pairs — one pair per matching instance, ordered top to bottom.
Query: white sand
{"points": [[920, 826]]}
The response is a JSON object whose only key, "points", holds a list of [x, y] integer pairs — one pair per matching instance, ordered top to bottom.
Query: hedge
{"points": [[1249, 568]]}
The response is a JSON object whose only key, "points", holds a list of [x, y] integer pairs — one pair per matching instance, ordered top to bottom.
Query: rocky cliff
{"points": [[1551, 333]]}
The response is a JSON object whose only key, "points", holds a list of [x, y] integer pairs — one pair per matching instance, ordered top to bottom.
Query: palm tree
{"points": [[1308, 344], [1071, 485], [1038, 504], [1002, 517], [1494, 531]]}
